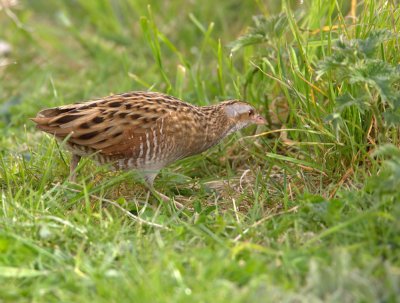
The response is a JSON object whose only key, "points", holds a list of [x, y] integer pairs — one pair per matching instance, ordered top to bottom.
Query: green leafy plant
{"points": [[265, 30], [367, 82], [388, 181]]}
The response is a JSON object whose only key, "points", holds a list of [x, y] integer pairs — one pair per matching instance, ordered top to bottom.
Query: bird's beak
{"points": [[257, 119]]}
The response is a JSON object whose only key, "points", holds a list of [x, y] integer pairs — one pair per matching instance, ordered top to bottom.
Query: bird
{"points": [[144, 131]]}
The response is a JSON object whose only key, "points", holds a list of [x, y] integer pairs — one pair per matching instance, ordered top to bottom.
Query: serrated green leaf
{"points": [[265, 29], [369, 45], [347, 100], [392, 117]]}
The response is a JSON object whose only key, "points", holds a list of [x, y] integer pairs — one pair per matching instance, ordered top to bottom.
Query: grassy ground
{"points": [[304, 210]]}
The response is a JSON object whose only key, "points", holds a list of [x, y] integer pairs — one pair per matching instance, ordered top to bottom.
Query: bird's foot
{"points": [[167, 199]]}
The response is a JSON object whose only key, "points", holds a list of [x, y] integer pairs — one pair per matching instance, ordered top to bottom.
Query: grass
{"points": [[303, 210]]}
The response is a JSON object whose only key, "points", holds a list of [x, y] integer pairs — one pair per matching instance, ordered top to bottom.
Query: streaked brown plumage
{"points": [[143, 130]]}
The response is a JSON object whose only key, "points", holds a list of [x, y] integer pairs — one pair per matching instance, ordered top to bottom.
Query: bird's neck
{"points": [[212, 126], [217, 126]]}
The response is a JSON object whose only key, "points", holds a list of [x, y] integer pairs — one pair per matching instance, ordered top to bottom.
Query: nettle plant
{"points": [[265, 30], [269, 37], [362, 80], [333, 87]]}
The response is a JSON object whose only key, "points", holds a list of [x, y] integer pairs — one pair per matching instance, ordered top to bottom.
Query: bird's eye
{"points": [[251, 112]]}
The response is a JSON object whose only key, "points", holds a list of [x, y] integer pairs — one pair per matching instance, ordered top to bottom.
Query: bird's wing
{"points": [[104, 124], [139, 140]]}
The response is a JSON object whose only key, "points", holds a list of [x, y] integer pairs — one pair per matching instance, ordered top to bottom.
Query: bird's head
{"points": [[241, 114]]}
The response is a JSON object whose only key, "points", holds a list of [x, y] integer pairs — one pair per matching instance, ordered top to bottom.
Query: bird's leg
{"points": [[72, 169], [149, 178]]}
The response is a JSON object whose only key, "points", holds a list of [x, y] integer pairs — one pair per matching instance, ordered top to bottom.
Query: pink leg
{"points": [[72, 169], [149, 178]]}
